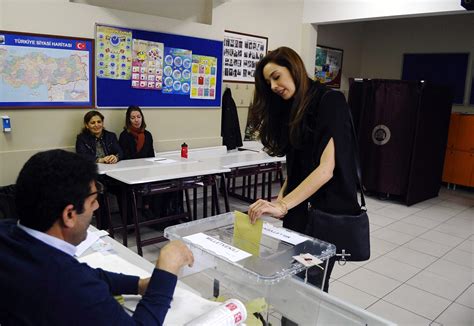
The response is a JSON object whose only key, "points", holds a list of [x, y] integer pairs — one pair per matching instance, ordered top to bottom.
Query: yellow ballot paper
{"points": [[247, 236]]}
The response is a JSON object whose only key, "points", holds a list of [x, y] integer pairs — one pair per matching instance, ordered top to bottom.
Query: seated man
{"points": [[41, 283]]}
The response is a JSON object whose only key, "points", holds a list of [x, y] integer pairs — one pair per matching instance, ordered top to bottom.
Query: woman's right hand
{"points": [[260, 207]]}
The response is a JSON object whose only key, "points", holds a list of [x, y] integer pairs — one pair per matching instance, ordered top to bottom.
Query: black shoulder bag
{"points": [[350, 233]]}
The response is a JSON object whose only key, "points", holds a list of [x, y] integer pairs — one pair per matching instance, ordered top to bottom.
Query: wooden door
{"points": [[453, 129], [465, 134], [448, 166], [462, 168], [471, 184]]}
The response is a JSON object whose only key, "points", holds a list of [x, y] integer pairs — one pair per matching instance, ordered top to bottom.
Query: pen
{"points": [[241, 149]]}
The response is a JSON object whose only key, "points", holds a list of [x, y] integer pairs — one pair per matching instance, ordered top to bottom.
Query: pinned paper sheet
{"points": [[283, 234], [247, 236], [218, 247], [307, 260], [113, 263]]}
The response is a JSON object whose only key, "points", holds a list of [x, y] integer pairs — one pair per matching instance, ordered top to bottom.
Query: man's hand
{"points": [[173, 256], [143, 285]]}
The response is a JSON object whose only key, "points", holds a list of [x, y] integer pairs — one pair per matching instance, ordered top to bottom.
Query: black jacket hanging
{"points": [[230, 128]]}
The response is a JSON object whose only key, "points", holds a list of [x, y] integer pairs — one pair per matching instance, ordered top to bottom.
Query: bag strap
{"points": [[356, 156], [357, 162]]}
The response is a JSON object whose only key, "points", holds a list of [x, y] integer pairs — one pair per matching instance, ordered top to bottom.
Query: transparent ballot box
{"points": [[270, 263], [268, 281]]}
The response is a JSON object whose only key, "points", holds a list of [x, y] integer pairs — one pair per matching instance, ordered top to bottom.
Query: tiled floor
{"points": [[421, 268]]}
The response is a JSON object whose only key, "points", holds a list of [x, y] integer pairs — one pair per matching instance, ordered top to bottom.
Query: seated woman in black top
{"points": [[136, 142], [96, 143]]}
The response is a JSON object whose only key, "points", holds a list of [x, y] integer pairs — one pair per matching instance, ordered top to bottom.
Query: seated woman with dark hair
{"points": [[136, 142], [96, 143], [101, 146]]}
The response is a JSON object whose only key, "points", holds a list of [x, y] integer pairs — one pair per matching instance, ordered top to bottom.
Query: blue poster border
{"points": [[39, 41], [118, 93]]}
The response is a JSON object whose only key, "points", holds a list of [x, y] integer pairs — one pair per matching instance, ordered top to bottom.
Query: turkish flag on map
{"points": [[81, 45]]}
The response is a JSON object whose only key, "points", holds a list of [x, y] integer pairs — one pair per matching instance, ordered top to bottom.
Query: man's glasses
{"points": [[100, 189]]}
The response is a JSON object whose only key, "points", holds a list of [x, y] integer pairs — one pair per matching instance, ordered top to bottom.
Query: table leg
{"points": [[269, 186], [226, 194], [194, 203], [188, 204], [204, 204], [124, 214], [135, 220]]}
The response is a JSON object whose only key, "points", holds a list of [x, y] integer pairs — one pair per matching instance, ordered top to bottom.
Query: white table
{"points": [[251, 145], [139, 163], [245, 164], [152, 176], [163, 178], [323, 308]]}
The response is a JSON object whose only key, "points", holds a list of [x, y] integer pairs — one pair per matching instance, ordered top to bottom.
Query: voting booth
{"points": [[262, 274]]}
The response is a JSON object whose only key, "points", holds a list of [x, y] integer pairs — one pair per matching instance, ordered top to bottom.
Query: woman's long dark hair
{"points": [[278, 121]]}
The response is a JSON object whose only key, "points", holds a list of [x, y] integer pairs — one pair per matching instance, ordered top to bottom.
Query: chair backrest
{"points": [[7, 202]]}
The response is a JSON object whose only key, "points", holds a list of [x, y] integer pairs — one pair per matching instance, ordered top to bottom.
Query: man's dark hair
{"points": [[48, 182]]}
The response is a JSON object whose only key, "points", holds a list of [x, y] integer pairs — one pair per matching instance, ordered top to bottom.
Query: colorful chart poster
{"points": [[114, 52], [147, 64], [177, 71], [203, 77]]}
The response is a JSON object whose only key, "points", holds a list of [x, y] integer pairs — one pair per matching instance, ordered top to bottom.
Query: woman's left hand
{"points": [[111, 159], [260, 207]]}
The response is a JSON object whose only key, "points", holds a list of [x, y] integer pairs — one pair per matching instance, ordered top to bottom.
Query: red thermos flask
{"points": [[184, 150]]}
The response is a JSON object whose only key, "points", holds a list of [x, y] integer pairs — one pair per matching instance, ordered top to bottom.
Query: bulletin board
{"points": [[441, 68], [154, 69], [46, 71]]}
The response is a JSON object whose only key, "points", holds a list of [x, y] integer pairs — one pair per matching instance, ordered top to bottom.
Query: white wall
{"points": [[331, 11], [279, 20], [349, 37], [371, 49], [375, 49], [41, 129]]}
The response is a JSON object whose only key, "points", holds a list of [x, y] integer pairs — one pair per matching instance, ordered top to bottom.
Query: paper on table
{"points": [[160, 160], [282, 234], [247, 236], [89, 241], [218, 247], [113, 263], [186, 306]]}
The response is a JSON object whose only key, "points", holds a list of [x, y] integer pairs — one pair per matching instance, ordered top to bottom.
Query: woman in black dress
{"points": [[303, 120]]}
